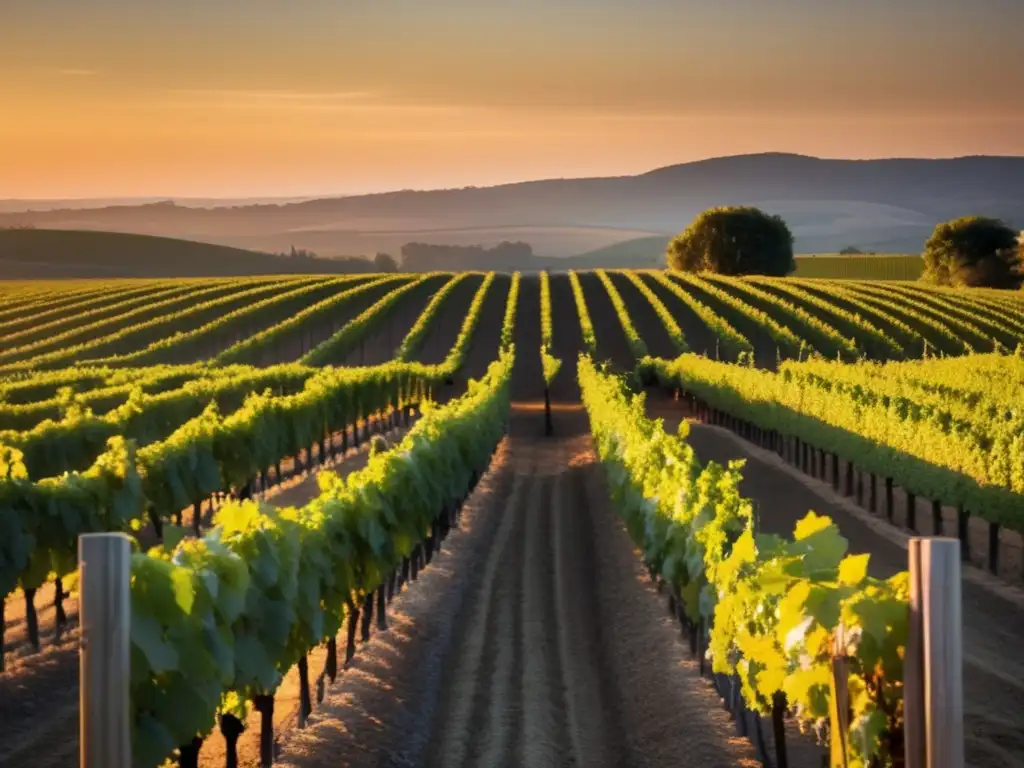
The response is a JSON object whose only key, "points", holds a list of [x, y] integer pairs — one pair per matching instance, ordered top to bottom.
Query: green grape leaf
{"points": [[809, 525], [172, 536], [823, 550], [853, 570], [184, 589], [147, 635], [152, 741]]}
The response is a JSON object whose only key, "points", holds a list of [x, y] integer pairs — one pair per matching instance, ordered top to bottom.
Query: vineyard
{"points": [[861, 267], [397, 501]]}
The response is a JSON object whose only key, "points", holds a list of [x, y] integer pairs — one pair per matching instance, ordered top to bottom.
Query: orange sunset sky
{"points": [[105, 98]]}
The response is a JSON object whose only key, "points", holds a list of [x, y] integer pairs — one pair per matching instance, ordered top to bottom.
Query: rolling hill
{"points": [[878, 205], [37, 253]]}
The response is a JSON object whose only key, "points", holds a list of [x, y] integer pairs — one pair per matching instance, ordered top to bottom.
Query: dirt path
{"points": [[645, 318], [445, 325], [317, 330], [698, 336], [567, 339], [611, 339], [379, 346], [483, 346], [764, 348], [483, 349], [527, 379], [993, 612], [534, 640]]}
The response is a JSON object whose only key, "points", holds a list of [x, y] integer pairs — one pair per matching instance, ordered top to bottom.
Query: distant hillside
{"points": [[875, 205], [639, 252], [40, 253]]}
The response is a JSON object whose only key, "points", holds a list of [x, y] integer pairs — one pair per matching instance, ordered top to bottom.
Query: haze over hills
{"points": [[15, 205], [879, 205], [39, 253]]}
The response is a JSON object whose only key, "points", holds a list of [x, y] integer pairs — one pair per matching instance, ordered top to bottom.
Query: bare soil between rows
{"points": [[535, 639]]}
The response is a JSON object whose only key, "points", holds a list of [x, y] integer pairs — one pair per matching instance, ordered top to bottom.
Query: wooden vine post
{"points": [[105, 614], [933, 664], [839, 702]]}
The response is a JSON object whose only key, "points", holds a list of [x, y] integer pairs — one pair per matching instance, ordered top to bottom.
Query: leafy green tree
{"points": [[733, 240], [851, 250], [973, 251], [1020, 253], [385, 262]]}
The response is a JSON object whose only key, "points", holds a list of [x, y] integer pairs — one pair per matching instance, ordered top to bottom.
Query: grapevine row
{"points": [[977, 301], [25, 306], [974, 317], [508, 325], [586, 326], [98, 329], [25, 330], [675, 333], [966, 334], [138, 335], [936, 335], [782, 336], [821, 336], [868, 337], [414, 338], [909, 339], [207, 340], [733, 343], [636, 344], [339, 346], [256, 347], [456, 357], [550, 364], [996, 376], [991, 386], [27, 391], [987, 396], [992, 436], [74, 441], [210, 453], [956, 468], [310, 568], [759, 601]]}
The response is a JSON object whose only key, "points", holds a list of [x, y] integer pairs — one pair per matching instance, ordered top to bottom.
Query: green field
{"points": [[883, 266]]}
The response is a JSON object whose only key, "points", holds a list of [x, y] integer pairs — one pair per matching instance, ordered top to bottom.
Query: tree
{"points": [[733, 240], [851, 250], [973, 251], [299, 254], [385, 262], [1020, 268]]}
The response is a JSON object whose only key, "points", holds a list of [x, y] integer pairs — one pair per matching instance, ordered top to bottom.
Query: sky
{"points": [[239, 98]]}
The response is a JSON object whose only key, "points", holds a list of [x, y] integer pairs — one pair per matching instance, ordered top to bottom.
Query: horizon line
{"points": [[315, 196]]}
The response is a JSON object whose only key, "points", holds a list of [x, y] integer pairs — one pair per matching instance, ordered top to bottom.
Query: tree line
{"points": [[971, 251]]}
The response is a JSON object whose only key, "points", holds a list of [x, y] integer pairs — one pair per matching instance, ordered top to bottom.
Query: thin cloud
{"points": [[77, 72], [264, 96], [365, 102]]}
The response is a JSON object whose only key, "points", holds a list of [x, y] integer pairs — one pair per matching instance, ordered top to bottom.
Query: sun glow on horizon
{"points": [[214, 100]]}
